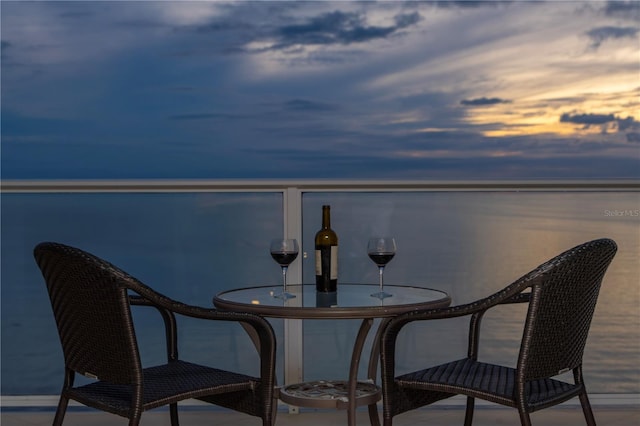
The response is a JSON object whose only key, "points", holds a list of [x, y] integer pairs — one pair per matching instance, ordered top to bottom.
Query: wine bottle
{"points": [[326, 255]]}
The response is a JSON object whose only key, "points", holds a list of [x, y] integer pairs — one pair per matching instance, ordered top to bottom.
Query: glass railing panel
{"points": [[466, 243], [471, 244], [189, 246]]}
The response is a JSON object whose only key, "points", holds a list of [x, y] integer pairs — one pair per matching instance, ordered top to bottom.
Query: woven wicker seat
{"points": [[561, 294], [91, 301]]}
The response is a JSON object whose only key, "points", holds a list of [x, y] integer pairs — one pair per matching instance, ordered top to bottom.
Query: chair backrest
{"points": [[563, 298], [92, 312]]}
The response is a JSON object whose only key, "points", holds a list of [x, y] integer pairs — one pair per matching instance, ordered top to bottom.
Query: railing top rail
{"points": [[161, 185]]}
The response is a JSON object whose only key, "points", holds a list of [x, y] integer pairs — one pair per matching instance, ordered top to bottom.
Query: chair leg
{"points": [[586, 409], [61, 410], [173, 412], [468, 414], [274, 415], [134, 420], [525, 420], [269, 422]]}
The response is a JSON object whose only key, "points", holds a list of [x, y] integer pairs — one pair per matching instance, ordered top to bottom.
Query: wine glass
{"points": [[381, 250], [284, 251]]}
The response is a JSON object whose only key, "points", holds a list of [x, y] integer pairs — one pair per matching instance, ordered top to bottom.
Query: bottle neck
{"points": [[326, 217]]}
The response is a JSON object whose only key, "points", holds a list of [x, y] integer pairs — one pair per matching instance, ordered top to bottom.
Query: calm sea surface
{"points": [[191, 246]]}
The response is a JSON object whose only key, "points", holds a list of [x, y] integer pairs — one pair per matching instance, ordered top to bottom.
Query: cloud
{"points": [[470, 3], [623, 9], [339, 27], [602, 34], [5, 48], [397, 84], [483, 101], [307, 106], [205, 116], [587, 120], [628, 123], [633, 137]]}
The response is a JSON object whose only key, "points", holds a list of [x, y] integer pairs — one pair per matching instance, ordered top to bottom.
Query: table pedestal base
{"points": [[328, 394]]}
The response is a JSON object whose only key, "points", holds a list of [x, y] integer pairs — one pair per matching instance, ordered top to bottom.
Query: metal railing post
{"points": [[293, 333]]}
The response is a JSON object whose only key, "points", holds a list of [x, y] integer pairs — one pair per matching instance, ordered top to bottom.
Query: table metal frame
{"points": [[358, 393]]}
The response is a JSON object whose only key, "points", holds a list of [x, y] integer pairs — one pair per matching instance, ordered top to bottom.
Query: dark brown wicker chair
{"points": [[562, 299], [91, 301]]}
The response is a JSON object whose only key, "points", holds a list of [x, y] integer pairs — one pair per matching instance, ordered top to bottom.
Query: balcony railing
{"points": [[435, 222]]}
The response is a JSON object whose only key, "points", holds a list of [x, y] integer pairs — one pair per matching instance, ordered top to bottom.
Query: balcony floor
{"points": [[484, 416]]}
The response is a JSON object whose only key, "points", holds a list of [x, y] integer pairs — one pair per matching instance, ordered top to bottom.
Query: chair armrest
{"points": [[510, 294], [148, 296], [518, 298], [163, 302], [170, 324], [263, 330], [266, 340]]}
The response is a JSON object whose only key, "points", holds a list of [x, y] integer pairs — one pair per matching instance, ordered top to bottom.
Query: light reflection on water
{"points": [[473, 244], [191, 246]]}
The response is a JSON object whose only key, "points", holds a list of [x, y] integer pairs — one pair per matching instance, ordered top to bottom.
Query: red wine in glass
{"points": [[381, 250], [284, 251], [284, 259], [381, 259]]}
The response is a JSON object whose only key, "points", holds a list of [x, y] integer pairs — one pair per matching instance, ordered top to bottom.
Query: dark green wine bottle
{"points": [[326, 255]]}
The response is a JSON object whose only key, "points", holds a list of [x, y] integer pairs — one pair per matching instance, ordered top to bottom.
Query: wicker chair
{"points": [[562, 299], [91, 301]]}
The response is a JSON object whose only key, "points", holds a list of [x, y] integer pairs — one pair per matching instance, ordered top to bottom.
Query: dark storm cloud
{"points": [[623, 9], [242, 25], [339, 27], [602, 34], [483, 101], [587, 120]]}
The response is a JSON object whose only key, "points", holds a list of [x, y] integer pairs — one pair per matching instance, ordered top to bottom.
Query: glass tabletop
{"points": [[350, 301]]}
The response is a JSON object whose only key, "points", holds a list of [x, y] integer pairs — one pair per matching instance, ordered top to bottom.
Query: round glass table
{"points": [[351, 301]]}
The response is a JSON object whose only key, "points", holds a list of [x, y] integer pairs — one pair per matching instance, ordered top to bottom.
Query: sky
{"points": [[452, 90]]}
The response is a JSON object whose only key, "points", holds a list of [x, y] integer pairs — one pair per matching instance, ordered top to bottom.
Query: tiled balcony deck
{"points": [[438, 416]]}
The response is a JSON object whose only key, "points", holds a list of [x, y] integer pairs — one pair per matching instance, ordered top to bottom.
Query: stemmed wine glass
{"points": [[381, 250], [284, 251]]}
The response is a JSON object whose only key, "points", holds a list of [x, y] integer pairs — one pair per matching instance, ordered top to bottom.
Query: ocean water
{"points": [[192, 245]]}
